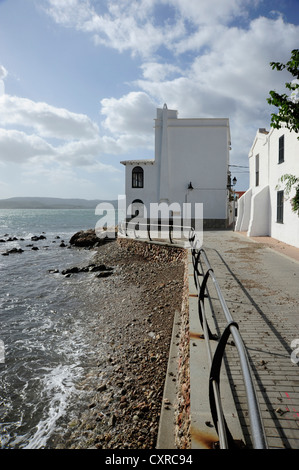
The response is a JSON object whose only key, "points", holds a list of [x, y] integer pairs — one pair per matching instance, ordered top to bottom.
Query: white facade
{"points": [[187, 151], [262, 211]]}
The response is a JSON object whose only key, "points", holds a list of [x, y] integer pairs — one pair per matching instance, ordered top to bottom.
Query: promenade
{"points": [[259, 279]]}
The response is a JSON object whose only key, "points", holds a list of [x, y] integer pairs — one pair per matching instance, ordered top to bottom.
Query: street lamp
{"points": [[234, 183]]}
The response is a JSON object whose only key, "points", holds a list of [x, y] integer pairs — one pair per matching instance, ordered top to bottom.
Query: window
{"points": [[281, 149], [257, 170], [137, 177], [280, 197]]}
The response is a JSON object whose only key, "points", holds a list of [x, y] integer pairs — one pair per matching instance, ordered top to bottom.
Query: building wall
{"points": [[186, 150], [148, 193], [258, 206], [289, 230]]}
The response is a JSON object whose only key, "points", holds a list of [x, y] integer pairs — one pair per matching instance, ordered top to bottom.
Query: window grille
{"points": [[281, 149], [257, 170], [137, 177], [280, 197]]}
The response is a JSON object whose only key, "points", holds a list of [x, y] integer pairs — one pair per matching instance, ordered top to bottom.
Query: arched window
{"points": [[137, 177]]}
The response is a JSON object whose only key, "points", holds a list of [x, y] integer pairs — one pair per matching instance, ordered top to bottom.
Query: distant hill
{"points": [[50, 203]]}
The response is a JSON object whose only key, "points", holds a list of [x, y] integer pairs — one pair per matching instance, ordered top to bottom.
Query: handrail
{"points": [[150, 226], [256, 424]]}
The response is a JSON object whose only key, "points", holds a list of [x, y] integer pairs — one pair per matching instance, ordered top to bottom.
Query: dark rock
{"points": [[35, 238], [84, 238], [89, 239], [35, 248], [14, 250], [101, 267], [75, 269], [105, 274]]}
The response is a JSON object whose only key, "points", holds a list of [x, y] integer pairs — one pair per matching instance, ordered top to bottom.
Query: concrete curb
{"points": [[166, 432]]}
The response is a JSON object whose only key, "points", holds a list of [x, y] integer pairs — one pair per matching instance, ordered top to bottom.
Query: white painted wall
{"points": [[186, 150], [148, 193], [258, 206]]}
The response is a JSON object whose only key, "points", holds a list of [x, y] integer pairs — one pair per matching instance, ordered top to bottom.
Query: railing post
{"points": [[257, 429]]}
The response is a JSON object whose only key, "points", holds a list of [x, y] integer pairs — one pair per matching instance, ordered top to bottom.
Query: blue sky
{"points": [[80, 81]]}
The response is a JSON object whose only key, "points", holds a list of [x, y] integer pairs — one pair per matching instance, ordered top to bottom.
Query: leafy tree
{"points": [[288, 105], [288, 115], [290, 181]]}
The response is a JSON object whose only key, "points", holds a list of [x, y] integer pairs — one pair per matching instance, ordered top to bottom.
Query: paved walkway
{"points": [[259, 279]]}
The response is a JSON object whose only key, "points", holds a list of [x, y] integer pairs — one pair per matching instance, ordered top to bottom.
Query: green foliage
{"points": [[288, 106], [290, 181], [295, 201]]}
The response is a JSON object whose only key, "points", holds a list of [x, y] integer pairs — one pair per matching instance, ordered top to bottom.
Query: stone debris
{"points": [[125, 388]]}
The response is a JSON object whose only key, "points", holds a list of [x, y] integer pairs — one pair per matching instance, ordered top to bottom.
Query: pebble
{"points": [[125, 388]]}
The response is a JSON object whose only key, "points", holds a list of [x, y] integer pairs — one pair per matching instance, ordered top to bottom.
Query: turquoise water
{"points": [[46, 322]]}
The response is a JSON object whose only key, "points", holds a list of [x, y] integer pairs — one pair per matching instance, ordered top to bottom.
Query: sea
{"points": [[44, 323]]}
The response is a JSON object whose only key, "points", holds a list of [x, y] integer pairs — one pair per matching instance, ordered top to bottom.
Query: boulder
{"points": [[35, 238], [83, 238], [89, 238], [13, 250], [101, 267], [75, 269], [104, 274]]}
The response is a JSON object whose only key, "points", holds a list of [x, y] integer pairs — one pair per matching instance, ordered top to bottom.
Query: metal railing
{"points": [[154, 231], [226, 441]]}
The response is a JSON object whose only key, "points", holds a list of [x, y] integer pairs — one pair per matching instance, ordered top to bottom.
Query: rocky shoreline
{"points": [[145, 285]]}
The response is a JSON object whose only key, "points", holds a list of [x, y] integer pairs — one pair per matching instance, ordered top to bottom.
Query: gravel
{"points": [[125, 388]]}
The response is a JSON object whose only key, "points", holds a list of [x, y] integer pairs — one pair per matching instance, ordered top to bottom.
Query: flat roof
{"points": [[137, 162]]}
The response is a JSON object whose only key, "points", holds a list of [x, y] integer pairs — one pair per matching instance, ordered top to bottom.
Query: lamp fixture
{"points": [[233, 184]]}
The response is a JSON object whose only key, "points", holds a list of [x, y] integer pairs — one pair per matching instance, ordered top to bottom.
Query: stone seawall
{"points": [[153, 251]]}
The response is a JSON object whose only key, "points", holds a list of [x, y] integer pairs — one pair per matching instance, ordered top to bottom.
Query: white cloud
{"points": [[201, 12], [124, 25], [137, 26], [211, 68], [155, 71], [3, 72], [3, 75], [130, 115], [46, 120], [37, 132], [18, 147]]}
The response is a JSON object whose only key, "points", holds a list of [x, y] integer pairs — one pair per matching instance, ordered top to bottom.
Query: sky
{"points": [[80, 81]]}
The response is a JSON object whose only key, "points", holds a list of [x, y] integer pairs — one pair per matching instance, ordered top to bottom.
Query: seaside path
{"points": [[259, 279]]}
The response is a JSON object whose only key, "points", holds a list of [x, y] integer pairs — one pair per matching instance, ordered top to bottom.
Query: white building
{"points": [[190, 165], [264, 209]]}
